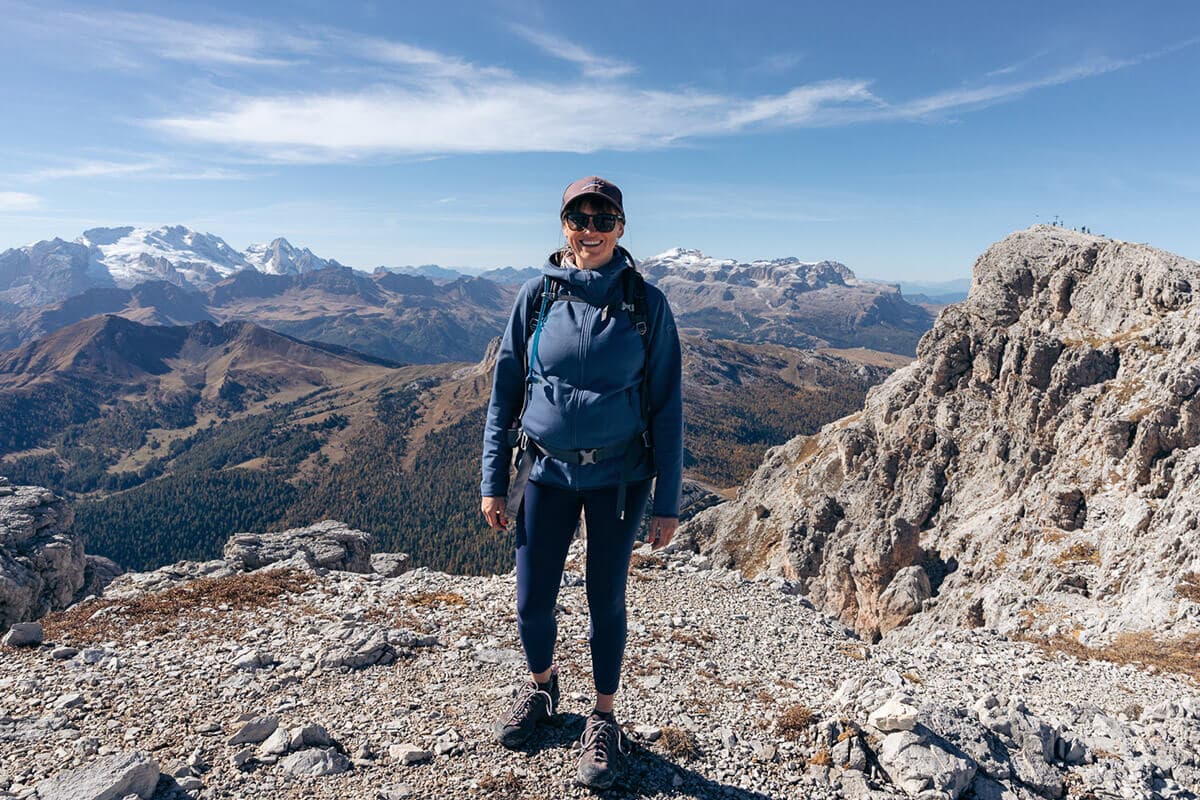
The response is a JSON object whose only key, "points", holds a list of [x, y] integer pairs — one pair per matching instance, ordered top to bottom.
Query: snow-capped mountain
{"points": [[172, 253], [280, 257], [51, 271], [431, 271], [779, 273], [786, 301]]}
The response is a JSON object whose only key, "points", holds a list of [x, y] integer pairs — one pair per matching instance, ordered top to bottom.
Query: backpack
{"points": [[633, 303]]}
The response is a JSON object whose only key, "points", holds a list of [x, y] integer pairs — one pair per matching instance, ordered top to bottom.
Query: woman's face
{"points": [[590, 247]]}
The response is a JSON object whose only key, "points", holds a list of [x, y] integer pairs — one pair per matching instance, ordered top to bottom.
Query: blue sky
{"points": [[898, 138]]}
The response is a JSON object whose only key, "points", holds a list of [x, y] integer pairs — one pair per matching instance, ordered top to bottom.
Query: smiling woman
{"points": [[592, 406]]}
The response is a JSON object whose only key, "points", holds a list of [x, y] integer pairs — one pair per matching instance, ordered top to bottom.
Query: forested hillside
{"points": [[171, 439]]}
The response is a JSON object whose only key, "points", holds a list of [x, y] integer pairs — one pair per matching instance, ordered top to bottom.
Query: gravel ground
{"points": [[732, 689]]}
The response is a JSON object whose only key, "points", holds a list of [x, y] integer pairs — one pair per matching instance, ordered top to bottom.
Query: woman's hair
{"points": [[599, 204]]}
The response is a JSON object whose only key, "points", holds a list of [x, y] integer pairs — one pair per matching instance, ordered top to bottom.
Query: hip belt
{"points": [[630, 450]]}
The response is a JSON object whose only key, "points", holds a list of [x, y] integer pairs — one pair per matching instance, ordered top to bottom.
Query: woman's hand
{"points": [[495, 512], [662, 529]]}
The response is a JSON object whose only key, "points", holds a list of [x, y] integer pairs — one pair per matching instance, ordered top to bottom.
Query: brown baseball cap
{"points": [[592, 184]]}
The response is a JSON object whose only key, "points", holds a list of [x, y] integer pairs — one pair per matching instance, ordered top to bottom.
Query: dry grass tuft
{"points": [[1078, 553], [642, 561], [1189, 587], [427, 599], [157, 613], [697, 639], [1140, 648], [855, 650], [794, 721], [679, 743], [822, 758], [503, 786]]}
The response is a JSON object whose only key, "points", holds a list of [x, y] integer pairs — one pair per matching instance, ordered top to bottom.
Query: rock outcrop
{"points": [[1036, 467], [328, 544], [323, 546], [41, 558]]}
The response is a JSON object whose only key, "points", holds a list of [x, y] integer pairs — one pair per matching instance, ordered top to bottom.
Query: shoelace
{"points": [[525, 703], [597, 735]]}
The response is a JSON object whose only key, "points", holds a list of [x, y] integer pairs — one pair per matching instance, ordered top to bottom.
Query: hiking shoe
{"points": [[532, 707], [604, 749]]}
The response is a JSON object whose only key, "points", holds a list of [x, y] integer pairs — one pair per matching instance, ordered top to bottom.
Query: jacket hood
{"points": [[596, 286]]}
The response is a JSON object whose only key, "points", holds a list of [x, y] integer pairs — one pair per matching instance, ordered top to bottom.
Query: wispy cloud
{"points": [[128, 34], [777, 62], [592, 65], [967, 99], [421, 103], [452, 106], [463, 117], [93, 169], [150, 169], [19, 201]]}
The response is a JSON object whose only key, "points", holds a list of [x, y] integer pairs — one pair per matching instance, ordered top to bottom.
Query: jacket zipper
{"points": [[585, 326]]}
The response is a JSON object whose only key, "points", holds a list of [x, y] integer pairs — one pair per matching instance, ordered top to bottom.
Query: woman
{"points": [[587, 388]]}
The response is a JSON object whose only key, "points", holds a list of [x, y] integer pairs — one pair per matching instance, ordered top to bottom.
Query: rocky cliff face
{"points": [[1036, 468], [42, 564]]}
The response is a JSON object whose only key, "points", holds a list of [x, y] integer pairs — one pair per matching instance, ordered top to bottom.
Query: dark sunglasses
{"points": [[603, 223]]}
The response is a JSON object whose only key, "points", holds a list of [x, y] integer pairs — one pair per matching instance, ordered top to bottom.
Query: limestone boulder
{"points": [[41, 556]]}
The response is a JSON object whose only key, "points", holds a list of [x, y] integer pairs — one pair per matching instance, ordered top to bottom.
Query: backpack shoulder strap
{"points": [[633, 292], [635, 304]]}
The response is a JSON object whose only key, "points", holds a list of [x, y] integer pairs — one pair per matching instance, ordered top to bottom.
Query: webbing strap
{"points": [[537, 332]]}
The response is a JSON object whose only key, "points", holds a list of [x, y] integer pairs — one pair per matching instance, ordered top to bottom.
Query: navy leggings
{"points": [[545, 526]]}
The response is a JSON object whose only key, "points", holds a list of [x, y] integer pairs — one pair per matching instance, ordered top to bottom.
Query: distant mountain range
{"points": [[53, 270], [786, 301], [425, 314], [402, 318]]}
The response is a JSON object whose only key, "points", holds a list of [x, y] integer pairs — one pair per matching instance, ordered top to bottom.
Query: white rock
{"points": [[24, 634], [69, 700], [893, 716], [255, 731], [274, 745], [408, 754], [315, 763], [106, 778]]}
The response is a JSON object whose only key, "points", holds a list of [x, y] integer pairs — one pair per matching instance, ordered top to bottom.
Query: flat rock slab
{"points": [[24, 634], [255, 731], [316, 762], [109, 778]]}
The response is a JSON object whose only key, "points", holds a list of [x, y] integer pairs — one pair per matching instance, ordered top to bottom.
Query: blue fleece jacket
{"points": [[587, 386]]}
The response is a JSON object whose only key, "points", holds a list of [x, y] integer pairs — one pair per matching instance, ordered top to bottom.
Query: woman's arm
{"points": [[508, 392], [666, 409]]}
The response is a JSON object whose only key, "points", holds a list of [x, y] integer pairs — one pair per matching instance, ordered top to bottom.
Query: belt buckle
{"points": [[587, 457]]}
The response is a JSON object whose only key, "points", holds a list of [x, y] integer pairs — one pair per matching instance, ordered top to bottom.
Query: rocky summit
{"points": [[1035, 470], [300, 678]]}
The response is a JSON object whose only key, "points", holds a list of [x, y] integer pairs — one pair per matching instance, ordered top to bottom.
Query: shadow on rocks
{"points": [[562, 733], [647, 773], [650, 774]]}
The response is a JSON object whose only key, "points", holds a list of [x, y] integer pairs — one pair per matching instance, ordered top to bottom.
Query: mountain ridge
{"points": [[1032, 471]]}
